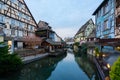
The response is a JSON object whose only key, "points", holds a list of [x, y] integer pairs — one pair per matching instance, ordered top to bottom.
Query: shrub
{"points": [[76, 43], [3, 48], [84, 48], [97, 52], [9, 62], [115, 70]]}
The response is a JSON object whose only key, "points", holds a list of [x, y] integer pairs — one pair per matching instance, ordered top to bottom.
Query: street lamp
{"points": [[108, 66]]}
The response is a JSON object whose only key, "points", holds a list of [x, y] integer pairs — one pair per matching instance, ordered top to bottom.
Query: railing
{"points": [[102, 75]]}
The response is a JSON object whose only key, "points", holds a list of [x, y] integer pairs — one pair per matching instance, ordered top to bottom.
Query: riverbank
{"points": [[58, 52], [29, 59]]}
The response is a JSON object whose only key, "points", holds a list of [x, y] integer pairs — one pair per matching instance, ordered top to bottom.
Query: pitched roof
{"points": [[99, 7], [30, 13], [83, 27]]}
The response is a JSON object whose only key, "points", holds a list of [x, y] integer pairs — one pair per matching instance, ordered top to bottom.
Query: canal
{"points": [[66, 67]]}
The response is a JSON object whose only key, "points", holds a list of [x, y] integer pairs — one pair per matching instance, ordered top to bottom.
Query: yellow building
{"points": [[84, 32]]}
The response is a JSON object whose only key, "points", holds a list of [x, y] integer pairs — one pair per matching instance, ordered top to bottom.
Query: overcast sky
{"points": [[64, 16]]}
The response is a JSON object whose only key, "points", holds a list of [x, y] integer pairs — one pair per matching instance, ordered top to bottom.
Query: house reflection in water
{"points": [[87, 66], [40, 70]]}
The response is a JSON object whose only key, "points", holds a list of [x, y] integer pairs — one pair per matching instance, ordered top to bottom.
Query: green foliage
{"points": [[76, 43], [84, 48], [4, 50], [97, 52], [9, 62], [115, 70]]}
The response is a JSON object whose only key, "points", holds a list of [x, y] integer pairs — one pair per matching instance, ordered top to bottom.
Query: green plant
{"points": [[76, 43], [84, 48], [3, 49], [97, 52], [9, 62], [115, 70]]}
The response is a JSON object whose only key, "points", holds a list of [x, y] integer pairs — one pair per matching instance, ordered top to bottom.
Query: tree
{"points": [[8, 62], [115, 70]]}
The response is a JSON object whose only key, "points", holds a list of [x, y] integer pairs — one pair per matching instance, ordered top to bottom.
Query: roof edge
{"points": [[99, 7]]}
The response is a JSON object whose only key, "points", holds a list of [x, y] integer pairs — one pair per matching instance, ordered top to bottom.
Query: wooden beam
{"points": [[6, 1]]}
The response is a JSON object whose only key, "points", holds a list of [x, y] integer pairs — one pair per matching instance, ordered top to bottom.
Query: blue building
{"points": [[105, 19], [105, 24]]}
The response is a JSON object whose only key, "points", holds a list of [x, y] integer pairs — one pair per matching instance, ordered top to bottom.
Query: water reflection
{"points": [[85, 63], [66, 67], [38, 70]]}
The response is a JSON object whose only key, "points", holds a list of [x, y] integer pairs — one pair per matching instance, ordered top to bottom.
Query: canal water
{"points": [[66, 67]]}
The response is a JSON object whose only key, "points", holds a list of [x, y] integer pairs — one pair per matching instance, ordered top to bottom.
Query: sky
{"points": [[64, 16]]}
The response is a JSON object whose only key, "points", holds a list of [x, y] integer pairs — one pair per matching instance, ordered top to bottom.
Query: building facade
{"points": [[117, 18], [105, 19], [16, 21], [45, 31], [84, 31], [1, 35], [51, 41]]}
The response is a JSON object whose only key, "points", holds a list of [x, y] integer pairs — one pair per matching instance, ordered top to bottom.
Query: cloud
{"points": [[63, 15], [65, 32]]}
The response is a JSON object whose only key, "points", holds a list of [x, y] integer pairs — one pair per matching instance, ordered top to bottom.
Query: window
{"points": [[13, 1], [1, 5], [19, 5], [105, 9], [99, 13], [20, 14], [27, 17], [2, 18], [12, 22], [111, 22], [17, 23], [20, 24], [105, 24], [98, 27], [31, 28], [12, 32], [16, 32], [20, 34]]}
